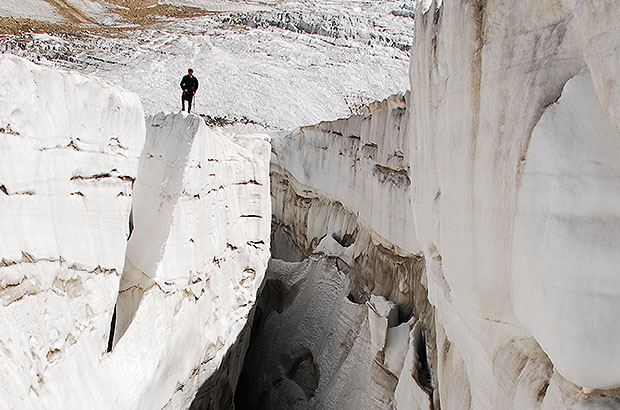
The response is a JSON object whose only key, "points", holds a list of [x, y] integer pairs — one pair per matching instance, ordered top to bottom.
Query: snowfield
{"points": [[33, 9], [294, 63]]}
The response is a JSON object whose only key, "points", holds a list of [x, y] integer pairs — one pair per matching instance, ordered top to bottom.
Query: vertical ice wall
{"points": [[515, 141], [69, 148], [360, 161], [200, 245], [195, 260]]}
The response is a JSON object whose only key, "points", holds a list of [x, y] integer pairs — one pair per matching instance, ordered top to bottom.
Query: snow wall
{"points": [[515, 149], [81, 174]]}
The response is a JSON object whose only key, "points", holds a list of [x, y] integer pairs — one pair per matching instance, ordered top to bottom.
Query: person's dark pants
{"points": [[187, 97]]}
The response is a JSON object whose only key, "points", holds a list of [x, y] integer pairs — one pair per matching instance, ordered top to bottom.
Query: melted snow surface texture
{"points": [[33, 9], [70, 147], [515, 148], [360, 161], [568, 231], [313, 348]]}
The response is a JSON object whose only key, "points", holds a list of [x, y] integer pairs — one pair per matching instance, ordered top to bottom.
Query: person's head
{"points": [[190, 72]]}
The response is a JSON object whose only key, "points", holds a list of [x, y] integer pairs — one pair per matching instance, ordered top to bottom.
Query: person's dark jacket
{"points": [[190, 84]]}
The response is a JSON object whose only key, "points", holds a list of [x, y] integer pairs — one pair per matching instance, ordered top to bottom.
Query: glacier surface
{"points": [[320, 61], [455, 247]]}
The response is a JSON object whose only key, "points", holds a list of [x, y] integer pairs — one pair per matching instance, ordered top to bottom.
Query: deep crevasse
{"points": [[500, 168]]}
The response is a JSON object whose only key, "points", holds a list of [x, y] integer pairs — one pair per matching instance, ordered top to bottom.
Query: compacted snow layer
{"points": [[70, 148], [514, 151], [368, 154], [191, 180], [199, 243], [195, 259]]}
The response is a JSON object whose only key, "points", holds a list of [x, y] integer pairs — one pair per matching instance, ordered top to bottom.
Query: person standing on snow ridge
{"points": [[189, 85]]}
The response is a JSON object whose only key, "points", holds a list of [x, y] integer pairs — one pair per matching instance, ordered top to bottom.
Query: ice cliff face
{"points": [[70, 148], [369, 151], [514, 152], [183, 285]]}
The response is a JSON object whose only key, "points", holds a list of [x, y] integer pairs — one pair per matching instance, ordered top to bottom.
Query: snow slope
{"points": [[88, 12]]}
